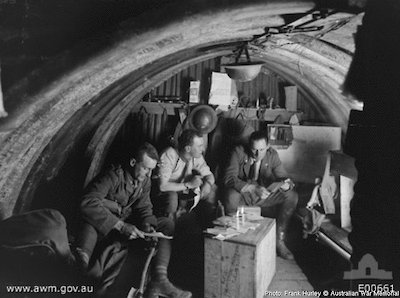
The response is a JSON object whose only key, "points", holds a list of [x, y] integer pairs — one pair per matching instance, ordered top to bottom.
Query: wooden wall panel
{"points": [[178, 84], [266, 85], [144, 126]]}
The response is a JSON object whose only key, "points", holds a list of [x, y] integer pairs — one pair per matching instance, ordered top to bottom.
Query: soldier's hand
{"points": [[195, 182], [288, 185], [205, 189], [262, 192], [148, 228], [131, 231]]}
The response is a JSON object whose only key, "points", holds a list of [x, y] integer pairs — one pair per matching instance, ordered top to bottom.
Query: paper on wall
{"points": [[223, 90], [194, 92], [291, 98]]}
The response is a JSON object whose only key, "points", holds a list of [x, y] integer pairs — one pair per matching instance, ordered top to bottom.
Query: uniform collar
{"points": [[181, 157], [251, 159], [132, 182]]}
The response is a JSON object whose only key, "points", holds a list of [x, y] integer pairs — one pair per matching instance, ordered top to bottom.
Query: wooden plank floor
{"points": [[315, 267], [288, 279]]}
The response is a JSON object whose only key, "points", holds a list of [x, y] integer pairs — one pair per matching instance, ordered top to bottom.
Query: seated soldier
{"points": [[251, 170], [182, 171], [117, 208]]}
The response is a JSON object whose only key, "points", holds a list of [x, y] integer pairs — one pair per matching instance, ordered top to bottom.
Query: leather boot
{"points": [[283, 219], [281, 248], [165, 289]]}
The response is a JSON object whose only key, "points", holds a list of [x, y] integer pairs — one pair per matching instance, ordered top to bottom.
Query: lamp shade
{"points": [[243, 72]]}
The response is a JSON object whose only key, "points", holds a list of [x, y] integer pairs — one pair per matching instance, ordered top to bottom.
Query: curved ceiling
{"points": [[91, 95]]}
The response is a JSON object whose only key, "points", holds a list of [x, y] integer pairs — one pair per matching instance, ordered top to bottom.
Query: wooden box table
{"points": [[242, 266]]}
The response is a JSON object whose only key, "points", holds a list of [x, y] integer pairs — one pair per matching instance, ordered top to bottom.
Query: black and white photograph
{"points": [[199, 148]]}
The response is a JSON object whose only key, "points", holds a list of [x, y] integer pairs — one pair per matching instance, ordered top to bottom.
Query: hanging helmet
{"points": [[203, 118]]}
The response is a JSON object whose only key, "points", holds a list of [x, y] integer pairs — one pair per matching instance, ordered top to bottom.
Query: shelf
{"points": [[159, 107], [248, 113], [263, 114]]}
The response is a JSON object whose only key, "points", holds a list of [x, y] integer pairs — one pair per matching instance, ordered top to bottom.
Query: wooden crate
{"points": [[242, 266]]}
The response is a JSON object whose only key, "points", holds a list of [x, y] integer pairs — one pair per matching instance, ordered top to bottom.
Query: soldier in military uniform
{"points": [[116, 208]]}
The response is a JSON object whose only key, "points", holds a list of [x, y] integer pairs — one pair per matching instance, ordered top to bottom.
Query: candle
{"points": [[242, 214]]}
